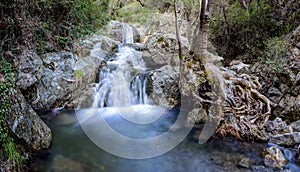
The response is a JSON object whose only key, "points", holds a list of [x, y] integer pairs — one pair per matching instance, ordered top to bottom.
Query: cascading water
{"points": [[123, 83]]}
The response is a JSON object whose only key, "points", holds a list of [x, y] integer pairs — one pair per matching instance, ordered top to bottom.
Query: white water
{"points": [[123, 83]]}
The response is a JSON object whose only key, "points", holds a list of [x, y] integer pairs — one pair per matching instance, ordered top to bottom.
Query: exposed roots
{"points": [[244, 110]]}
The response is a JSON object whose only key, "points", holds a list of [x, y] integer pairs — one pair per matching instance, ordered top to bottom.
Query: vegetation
{"points": [[48, 25], [42, 26], [240, 28], [6, 138]]}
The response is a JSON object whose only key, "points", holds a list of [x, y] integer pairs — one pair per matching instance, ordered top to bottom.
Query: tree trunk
{"points": [[199, 44]]}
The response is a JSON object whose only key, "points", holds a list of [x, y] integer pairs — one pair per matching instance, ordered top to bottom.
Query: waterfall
{"points": [[127, 34], [123, 82]]}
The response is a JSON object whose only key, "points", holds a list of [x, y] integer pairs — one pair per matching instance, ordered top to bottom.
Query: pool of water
{"points": [[73, 151]]}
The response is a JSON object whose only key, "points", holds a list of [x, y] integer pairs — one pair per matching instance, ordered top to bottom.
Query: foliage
{"points": [[48, 25], [238, 30], [276, 54], [79, 73], [6, 140]]}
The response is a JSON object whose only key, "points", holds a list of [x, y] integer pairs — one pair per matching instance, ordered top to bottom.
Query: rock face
{"points": [[30, 69], [64, 74], [163, 86], [26, 124]]}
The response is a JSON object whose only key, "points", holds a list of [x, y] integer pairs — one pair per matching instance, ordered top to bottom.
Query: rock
{"points": [[115, 30], [162, 49], [238, 66], [88, 68], [30, 69], [67, 74], [56, 82], [163, 86], [84, 98], [288, 107], [197, 115], [65, 119], [26, 124], [276, 125], [296, 126], [287, 139], [289, 154], [274, 157], [245, 162], [61, 163]]}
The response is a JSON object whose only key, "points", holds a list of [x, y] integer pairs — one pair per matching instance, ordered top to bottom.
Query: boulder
{"points": [[162, 49], [30, 69], [65, 75], [56, 82], [163, 86], [84, 98], [26, 124]]}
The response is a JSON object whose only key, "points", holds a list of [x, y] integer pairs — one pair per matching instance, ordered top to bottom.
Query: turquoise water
{"points": [[72, 150]]}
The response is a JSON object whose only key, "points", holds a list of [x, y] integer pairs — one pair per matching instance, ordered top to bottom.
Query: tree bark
{"points": [[177, 32]]}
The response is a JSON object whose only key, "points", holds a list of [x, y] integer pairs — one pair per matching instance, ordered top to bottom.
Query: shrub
{"points": [[238, 30]]}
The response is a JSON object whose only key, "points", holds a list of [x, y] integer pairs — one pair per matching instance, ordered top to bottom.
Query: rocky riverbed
{"points": [[64, 79]]}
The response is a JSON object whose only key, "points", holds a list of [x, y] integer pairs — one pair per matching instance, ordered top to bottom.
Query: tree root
{"points": [[241, 108]]}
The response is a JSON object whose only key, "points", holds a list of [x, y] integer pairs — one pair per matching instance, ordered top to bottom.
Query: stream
{"points": [[121, 101]]}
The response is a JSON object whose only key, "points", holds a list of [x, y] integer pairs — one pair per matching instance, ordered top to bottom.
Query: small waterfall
{"points": [[127, 33], [123, 82], [138, 89]]}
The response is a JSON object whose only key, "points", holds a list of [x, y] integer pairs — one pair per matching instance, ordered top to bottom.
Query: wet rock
{"points": [[115, 29], [136, 46], [30, 69], [163, 86], [84, 98], [197, 115], [26, 124], [287, 139], [273, 157], [61, 163]]}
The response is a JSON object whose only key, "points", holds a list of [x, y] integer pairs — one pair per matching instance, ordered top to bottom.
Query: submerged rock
{"points": [[26, 124], [274, 157], [245, 162], [61, 163]]}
